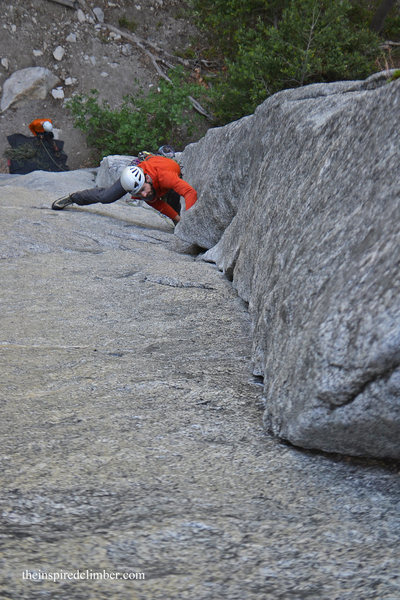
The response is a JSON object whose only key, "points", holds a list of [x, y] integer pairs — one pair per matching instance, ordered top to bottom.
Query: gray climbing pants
{"points": [[103, 195]]}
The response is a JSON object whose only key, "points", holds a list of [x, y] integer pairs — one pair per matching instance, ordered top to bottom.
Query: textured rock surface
{"points": [[32, 83], [56, 184], [301, 210], [131, 429]]}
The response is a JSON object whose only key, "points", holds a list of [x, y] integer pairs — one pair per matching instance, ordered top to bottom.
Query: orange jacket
{"points": [[37, 125], [165, 174]]}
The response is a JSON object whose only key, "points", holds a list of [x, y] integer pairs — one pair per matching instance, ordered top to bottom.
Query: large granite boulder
{"points": [[25, 85], [110, 169], [299, 204]]}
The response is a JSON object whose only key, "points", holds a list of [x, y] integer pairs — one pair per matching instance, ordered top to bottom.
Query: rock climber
{"points": [[41, 127], [156, 180]]}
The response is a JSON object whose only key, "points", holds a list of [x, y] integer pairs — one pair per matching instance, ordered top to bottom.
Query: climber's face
{"points": [[147, 192]]}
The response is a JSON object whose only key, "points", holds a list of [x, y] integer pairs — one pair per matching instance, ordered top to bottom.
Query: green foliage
{"points": [[224, 18], [391, 29], [314, 41], [262, 47], [187, 53], [396, 75], [143, 122]]}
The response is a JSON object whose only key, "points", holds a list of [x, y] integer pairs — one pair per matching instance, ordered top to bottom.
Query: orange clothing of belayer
{"points": [[37, 125], [165, 174]]}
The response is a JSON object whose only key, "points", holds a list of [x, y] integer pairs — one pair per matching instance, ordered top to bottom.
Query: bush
{"points": [[222, 19], [315, 41], [274, 45], [143, 122]]}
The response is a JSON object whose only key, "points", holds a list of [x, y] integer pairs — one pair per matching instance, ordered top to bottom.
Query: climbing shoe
{"points": [[61, 203]]}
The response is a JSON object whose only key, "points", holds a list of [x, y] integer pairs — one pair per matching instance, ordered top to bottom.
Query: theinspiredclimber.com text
{"points": [[80, 575]]}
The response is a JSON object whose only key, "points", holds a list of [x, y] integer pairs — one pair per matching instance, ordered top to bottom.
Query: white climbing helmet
{"points": [[47, 126], [132, 179]]}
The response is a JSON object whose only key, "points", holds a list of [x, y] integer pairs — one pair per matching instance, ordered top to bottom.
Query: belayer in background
{"points": [[41, 127], [43, 130], [38, 153], [156, 180]]}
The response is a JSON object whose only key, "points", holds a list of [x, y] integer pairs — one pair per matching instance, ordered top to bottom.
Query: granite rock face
{"points": [[111, 168], [57, 184], [301, 211], [131, 436]]}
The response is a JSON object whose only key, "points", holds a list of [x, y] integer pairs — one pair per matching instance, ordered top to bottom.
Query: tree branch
{"points": [[315, 18], [141, 44], [389, 44], [197, 106]]}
